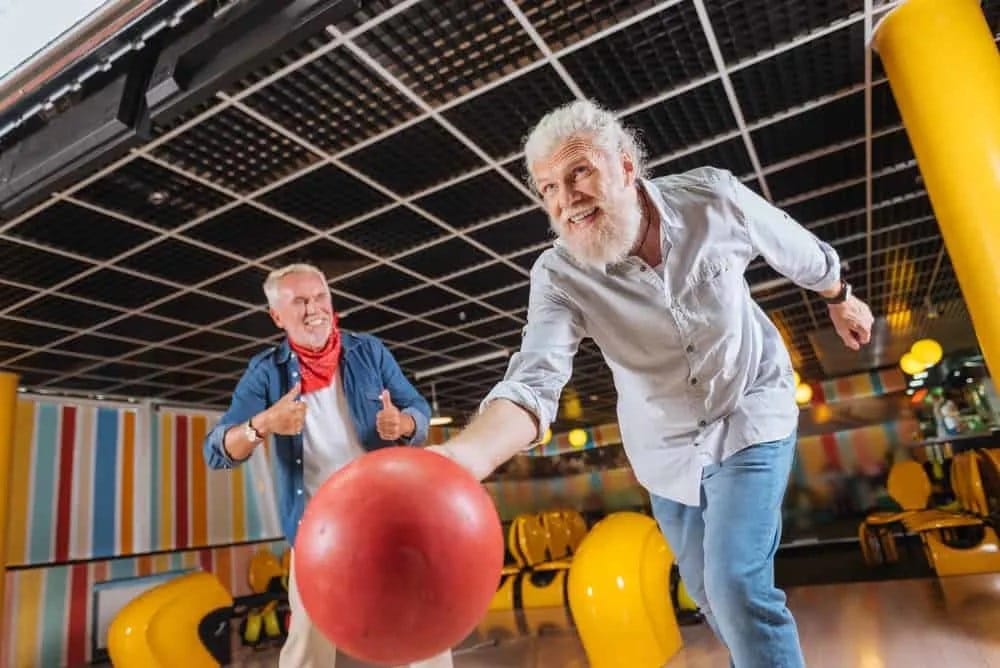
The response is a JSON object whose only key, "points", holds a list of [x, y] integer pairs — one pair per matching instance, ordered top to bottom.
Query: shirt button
{"points": [[690, 349], [694, 381], [702, 423], [298, 461], [298, 491]]}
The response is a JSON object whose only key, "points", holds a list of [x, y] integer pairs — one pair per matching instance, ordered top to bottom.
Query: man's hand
{"points": [[853, 321], [286, 417], [391, 423]]}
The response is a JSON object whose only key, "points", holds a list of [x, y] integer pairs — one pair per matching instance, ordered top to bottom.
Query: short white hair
{"points": [[583, 118], [272, 280]]}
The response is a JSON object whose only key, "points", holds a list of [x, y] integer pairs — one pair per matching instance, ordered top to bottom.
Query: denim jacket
{"points": [[366, 367]]}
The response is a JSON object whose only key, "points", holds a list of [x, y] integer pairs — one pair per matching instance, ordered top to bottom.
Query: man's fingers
{"points": [[386, 400]]}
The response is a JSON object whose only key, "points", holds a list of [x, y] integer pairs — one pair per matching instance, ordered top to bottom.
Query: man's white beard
{"points": [[608, 239]]}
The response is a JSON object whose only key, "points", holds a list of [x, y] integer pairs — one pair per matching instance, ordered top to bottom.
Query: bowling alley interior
{"points": [[158, 159]]}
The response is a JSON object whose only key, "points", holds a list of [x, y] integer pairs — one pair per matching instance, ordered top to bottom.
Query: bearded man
{"points": [[652, 271]]}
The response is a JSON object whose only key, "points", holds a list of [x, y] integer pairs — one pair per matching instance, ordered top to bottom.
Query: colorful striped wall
{"points": [[859, 386], [597, 436], [860, 452], [821, 463], [94, 481], [608, 490], [52, 607]]}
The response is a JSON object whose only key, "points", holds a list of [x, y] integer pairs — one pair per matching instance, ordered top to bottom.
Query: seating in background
{"points": [[958, 539]]}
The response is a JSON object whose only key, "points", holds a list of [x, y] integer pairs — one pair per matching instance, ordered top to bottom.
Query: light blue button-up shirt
{"points": [[700, 371]]}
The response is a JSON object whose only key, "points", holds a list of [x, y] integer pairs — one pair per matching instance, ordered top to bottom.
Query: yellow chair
{"points": [[990, 460], [910, 488], [576, 527], [556, 533], [527, 541], [531, 543], [944, 550], [265, 571], [532, 590], [619, 594], [162, 627]]}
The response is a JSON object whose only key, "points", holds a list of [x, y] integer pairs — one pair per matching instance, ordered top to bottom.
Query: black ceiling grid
{"points": [[386, 149]]}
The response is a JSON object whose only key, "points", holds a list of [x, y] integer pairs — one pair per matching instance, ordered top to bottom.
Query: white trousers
{"points": [[306, 647]]}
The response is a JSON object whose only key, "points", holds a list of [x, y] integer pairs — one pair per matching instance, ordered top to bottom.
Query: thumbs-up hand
{"points": [[287, 416], [390, 422]]}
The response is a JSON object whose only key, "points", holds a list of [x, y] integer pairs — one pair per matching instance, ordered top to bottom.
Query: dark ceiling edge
{"points": [[221, 52], [155, 85]]}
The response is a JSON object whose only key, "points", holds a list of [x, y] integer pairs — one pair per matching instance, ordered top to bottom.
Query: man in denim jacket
{"points": [[326, 397]]}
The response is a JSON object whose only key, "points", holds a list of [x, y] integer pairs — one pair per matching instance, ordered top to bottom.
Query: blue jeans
{"points": [[725, 553]]}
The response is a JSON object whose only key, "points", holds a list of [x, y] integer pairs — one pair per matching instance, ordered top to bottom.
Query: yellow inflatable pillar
{"points": [[944, 70], [8, 410], [619, 594]]}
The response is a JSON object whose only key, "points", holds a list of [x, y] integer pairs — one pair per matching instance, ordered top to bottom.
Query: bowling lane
{"points": [[925, 622]]}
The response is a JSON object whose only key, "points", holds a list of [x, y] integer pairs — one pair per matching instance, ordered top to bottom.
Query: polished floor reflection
{"points": [[930, 622]]}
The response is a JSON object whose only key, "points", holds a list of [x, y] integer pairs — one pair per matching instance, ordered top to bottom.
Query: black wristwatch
{"points": [[840, 297]]}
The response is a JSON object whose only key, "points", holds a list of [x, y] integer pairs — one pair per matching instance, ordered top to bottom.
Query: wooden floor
{"points": [[953, 622]]}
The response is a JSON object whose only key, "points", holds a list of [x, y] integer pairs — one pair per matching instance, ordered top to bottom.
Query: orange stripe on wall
{"points": [[199, 491], [19, 502], [127, 505], [161, 562], [145, 565], [224, 567], [28, 620], [7, 626]]}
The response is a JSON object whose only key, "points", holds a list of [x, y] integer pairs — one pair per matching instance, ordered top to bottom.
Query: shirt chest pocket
{"points": [[712, 286]]}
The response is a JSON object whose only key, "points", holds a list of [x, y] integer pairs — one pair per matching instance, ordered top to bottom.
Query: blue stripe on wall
{"points": [[876, 383], [105, 482], [44, 495], [254, 523], [122, 568], [52, 642]]}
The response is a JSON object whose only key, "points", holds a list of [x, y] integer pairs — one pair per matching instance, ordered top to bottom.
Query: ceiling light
{"points": [[460, 364]]}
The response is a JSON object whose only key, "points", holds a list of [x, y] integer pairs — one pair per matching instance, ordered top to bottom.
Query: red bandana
{"points": [[318, 367]]}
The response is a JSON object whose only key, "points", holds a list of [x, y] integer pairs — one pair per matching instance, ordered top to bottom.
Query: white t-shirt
{"points": [[329, 439]]}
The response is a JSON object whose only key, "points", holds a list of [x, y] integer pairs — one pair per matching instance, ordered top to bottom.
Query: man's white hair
{"points": [[583, 118], [274, 278]]}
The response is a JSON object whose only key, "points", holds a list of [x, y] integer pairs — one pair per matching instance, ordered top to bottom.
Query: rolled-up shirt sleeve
{"points": [[788, 247], [543, 365]]}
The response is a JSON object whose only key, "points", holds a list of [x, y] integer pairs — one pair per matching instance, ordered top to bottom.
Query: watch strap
{"points": [[841, 296], [252, 433]]}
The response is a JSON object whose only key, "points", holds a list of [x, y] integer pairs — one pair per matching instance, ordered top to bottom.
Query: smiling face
{"points": [[591, 199], [304, 309]]}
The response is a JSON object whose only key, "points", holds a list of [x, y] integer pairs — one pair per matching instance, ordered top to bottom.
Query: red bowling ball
{"points": [[398, 555]]}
